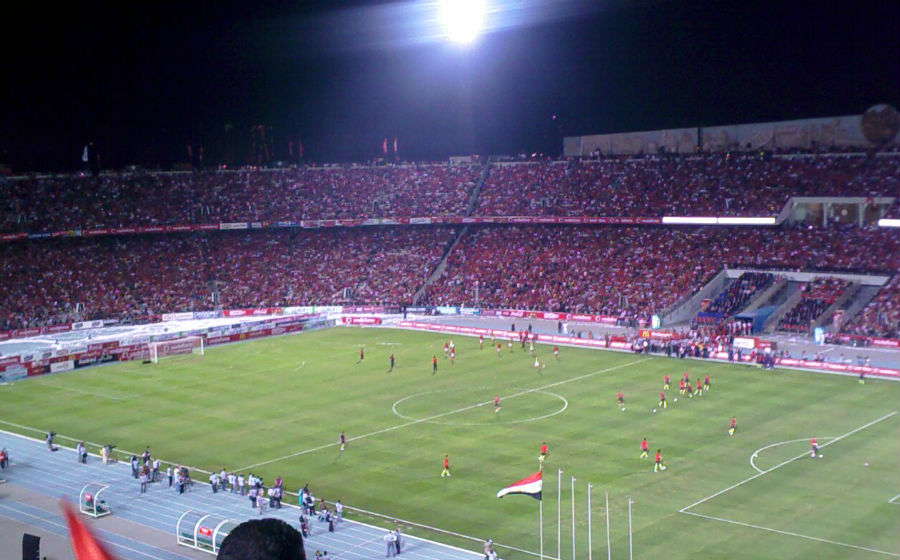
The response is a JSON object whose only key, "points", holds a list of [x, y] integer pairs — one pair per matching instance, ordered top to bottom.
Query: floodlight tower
{"points": [[463, 21]]}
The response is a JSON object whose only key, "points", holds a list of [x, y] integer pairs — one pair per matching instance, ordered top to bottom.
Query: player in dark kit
{"points": [[361, 354], [392, 363], [433, 365], [666, 381], [706, 383], [732, 426], [343, 440]]}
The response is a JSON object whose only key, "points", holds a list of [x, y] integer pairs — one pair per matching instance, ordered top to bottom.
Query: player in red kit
{"points": [[481, 342], [446, 349], [499, 350], [556, 352], [361, 354], [453, 355], [433, 365], [666, 381], [706, 383], [681, 386], [699, 388], [620, 399], [662, 400], [496, 405], [732, 426], [814, 445], [645, 448], [543, 456], [658, 462], [445, 472]]}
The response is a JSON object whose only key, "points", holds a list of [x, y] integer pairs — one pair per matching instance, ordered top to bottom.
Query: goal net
{"points": [[186, 345]]}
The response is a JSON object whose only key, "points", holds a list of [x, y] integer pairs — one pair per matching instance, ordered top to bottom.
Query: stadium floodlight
{"points": [[463, 19], [697, 220], [751, 221], [889, 222]]}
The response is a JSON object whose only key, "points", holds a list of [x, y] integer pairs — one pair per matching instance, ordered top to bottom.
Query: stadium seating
{"points": [[711, 184], [59, 280], [817, 296], [881, 316]]}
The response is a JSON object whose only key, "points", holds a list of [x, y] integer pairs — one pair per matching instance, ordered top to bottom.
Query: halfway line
{"points": [[441, 415]]}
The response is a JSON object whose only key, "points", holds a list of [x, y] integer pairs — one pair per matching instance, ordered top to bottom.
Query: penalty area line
{"points": [[441, 415], [783, 463], [894, 500], [792, 534]]}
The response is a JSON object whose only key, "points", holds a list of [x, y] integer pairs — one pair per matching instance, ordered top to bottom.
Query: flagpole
{"points": [[559, 514], [573, 518], [541, 525], [590, 545], [608, 545], [630, 551]]}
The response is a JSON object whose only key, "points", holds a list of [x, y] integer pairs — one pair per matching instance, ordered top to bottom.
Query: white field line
{"points": [[441, 415], [761, 449], [783, 463], [894, 500], [791, 534]]}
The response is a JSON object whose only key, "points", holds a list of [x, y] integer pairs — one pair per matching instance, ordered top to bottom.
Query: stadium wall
{"points": [[782, 135]]}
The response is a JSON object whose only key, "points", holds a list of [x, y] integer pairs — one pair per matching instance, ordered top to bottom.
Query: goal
{"points": [[186, 345]]}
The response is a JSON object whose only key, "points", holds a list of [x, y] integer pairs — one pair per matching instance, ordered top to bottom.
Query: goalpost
{"points": [[186, 345]]}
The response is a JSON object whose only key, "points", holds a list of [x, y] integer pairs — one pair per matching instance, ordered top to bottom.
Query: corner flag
{"points": [[530, 486], [84, 544]]}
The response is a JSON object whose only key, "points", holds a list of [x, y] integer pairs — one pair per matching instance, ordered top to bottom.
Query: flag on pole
{"points": [[530, 486], [84, 544]]}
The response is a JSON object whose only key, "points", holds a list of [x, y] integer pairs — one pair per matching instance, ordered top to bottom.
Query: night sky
{"points": [[144, 80]]}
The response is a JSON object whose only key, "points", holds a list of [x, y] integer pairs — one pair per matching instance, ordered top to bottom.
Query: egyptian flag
{"points": [[530, 486], [84, 544]]}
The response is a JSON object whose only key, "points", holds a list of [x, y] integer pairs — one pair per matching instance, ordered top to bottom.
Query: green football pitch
{"points": [[277, 406]]}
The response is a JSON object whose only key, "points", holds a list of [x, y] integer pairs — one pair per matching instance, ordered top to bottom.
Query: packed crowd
{"points": [[713, 184], [702, 185], [143, 199], [633, 271], [57, 281], [817, 296], [735, 297], [881, 316]]}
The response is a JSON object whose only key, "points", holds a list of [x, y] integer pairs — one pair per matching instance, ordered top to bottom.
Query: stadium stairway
{"points": [[794, 292], [764, 296], [839, 303], [685, 309], [58, 474]]}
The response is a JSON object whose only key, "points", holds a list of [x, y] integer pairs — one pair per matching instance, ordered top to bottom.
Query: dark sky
{"points": [[143, 80]]}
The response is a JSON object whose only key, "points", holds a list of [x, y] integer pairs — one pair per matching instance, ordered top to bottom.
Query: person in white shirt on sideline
{"points": [[214, 482], [242, 488], [339, 510], [389, 539]]}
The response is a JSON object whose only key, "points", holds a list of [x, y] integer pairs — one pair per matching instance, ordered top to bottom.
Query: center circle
{"points": [[440, 418]]}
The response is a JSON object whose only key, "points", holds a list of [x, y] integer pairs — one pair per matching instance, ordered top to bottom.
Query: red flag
{"points": [[384, 146], [84, 544]]}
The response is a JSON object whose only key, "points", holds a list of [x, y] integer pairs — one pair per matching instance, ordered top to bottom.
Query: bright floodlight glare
{"points": [[462, 19]]}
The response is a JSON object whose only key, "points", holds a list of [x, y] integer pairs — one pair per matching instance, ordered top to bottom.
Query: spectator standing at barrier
{"points": [[80, 454], [4, 458], [134, 466], [169, 474], [144, 477], [155, 477], [214, 482], [232, 482], [242, 484], [252, 495], [339, 511], [389, 540], [398, 540]]}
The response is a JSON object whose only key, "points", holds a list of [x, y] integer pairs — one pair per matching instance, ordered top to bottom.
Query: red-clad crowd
{"points": [[701, 185], [648, 186], [142, 199], [634, 271], [62, 280], [881, 316]]}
